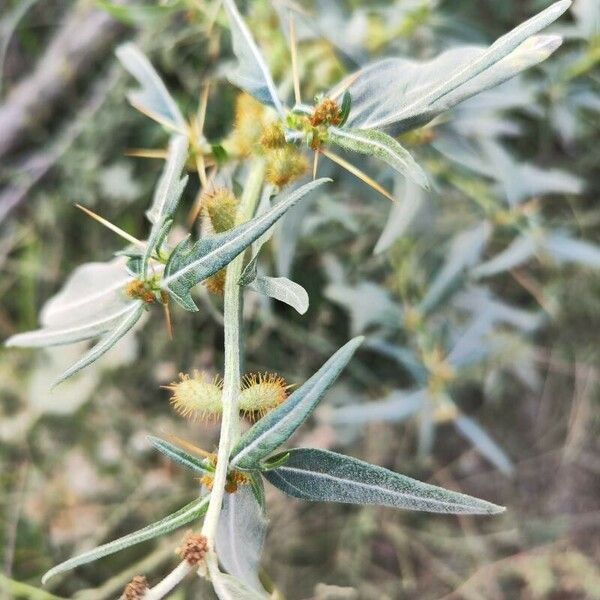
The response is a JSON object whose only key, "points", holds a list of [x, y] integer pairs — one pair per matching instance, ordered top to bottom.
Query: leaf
{"points": [[137, 14], [252, 73], [398, 94], [152, 99], [345, 108], [382, 146], [171, 184], [402, 215], [564, 248], [464, 252], [518, 252], [189, 264], [282, 289], [91, 301], [106, 343], [395, 408], [274, 429], [484, 443], [179, 456], [325, 476], [182, 517], [240, 536], [228, 587]]}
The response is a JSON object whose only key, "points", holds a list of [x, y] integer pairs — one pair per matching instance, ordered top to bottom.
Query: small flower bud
{"points": [[327, 112], [273, 137], [140, 290], [193, 549], [136, 588]]}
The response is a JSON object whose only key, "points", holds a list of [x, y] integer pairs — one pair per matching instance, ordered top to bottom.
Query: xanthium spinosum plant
{"points": [[249, 181]]}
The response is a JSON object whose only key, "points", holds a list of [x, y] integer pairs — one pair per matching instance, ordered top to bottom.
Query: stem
{"points": [[230, 424]]}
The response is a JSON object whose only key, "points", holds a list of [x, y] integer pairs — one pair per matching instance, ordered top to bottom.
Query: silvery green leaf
{"points": [[252, 73], [398, 94], [152, 99], [382, 146], [522, 181], [171, 184], [402, 214], [565, 249], [464, 252], [517, 253], [189, 264], [282, 289], [90, 303], [367, 303], [482, 304], [129, 319], [405, 357], [394, 408], [274, 429], [426, 430], [484, 443], [179, 455], [321, 475], [183, 516], [240, 537], [228, 587]]}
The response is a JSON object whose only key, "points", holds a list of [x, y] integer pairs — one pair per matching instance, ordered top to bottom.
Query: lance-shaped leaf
{"points": [[252, 73], [397, 94], [152, 99], [382, 146], [171, 184], [464, 252], [518, 252], [189, 264], [282, 289], [129, 319], [395, 408], [274, 429], [479, 437], [180, 456], [321, 475], [183, 516], [241, 535], [228, 587]]}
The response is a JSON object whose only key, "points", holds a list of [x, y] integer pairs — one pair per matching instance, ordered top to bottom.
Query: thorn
{"points": [[294, 51], [344, 86], [201, 116], [158, 118], [146, 153], [316, 164], [358, 173], [111, 226], [169, 322], [188, 446]]}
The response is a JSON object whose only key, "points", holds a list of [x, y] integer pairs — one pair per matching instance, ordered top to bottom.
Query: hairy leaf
{"points": [[252, 73], [152, 99], [382, 146], [189, 264], [282, 289], [107, 342], [274, 429], [179, 455], [312, 474], [183, 516], [241, 535], [228, 587]]}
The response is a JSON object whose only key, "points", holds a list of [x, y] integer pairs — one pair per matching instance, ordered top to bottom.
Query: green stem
{"points": [[230, 424]]}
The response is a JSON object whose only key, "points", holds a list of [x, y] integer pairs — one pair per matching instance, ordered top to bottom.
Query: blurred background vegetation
{"points": [[75, 466]]}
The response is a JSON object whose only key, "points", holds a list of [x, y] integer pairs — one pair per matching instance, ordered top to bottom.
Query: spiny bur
{"points": [[285, 165], [199, 397]]}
